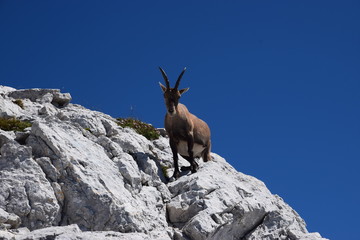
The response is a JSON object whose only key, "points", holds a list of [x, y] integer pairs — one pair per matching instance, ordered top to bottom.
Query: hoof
{"points": [[208, 158], [184, 169], [193, 169], [176, 175]]}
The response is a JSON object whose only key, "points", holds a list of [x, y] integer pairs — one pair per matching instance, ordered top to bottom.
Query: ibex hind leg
{"points": [[206, 154]]}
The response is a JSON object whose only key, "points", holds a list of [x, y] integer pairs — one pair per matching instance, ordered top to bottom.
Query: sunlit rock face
{"points": [[76, 174]]}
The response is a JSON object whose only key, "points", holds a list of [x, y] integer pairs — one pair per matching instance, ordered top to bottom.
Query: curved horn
{"points": [[165, 77], [179, 78]]}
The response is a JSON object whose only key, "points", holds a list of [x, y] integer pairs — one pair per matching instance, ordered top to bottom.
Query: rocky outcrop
{"points": [[76, 174]]}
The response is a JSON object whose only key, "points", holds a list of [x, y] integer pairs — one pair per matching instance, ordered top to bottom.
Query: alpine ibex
{"points": [[189, 135]]}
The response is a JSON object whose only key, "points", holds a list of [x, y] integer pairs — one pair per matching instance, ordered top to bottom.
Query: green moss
{"points": [[19, 102], [13, 124], [140, 127], [164, 170]]}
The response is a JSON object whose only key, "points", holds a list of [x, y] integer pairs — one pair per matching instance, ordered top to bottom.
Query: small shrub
{"points": [[19, 102], [13, 124], [142, 128]]}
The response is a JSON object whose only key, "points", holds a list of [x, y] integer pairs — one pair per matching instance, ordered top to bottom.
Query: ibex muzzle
{"points": [[189, 135]]}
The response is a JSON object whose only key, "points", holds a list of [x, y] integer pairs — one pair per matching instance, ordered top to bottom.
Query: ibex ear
{"points": [[163, 88], [182, 91]]}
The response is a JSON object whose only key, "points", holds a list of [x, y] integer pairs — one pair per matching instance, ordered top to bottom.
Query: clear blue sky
{"points": [[277, 81]]}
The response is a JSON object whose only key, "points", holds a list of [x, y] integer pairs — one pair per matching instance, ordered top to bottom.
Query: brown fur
{"points": [[189, 135]]}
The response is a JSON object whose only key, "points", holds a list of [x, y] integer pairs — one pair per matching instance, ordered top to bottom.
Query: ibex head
{"points": [[172, 95]]}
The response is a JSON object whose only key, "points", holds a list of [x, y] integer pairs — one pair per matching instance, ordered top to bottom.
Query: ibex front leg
{"points": [[173, 146], [193, 164]]}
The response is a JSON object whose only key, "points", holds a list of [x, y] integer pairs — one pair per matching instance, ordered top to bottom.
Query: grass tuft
{"points": [[19, 102], [13, 124], [147, 130], [164, 170]]}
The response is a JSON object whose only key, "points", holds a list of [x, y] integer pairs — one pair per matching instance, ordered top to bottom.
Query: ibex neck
{"points": [[180, 110]]}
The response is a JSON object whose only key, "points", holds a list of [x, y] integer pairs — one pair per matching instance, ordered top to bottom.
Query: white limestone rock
{"points": [[5, 90], [33, 95], [61, 99], [9, 108], [48, 109], [6, 137], [130, 171], [76, 174], [24, 190], [99, 199], [218, 202], [8, 220], [73, 232], [48, 233]]}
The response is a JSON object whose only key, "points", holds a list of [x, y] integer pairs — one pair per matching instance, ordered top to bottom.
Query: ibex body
{"points": [[189, 135]]}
